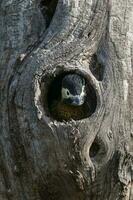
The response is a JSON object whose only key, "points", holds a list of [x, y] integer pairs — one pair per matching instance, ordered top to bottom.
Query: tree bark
{"points": [[41, 157]]}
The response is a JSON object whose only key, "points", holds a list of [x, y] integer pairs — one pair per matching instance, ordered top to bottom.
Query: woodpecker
{"points": [[70, 104]]}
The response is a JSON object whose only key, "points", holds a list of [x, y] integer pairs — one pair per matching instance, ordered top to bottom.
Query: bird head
{"points": [[73, 90]]}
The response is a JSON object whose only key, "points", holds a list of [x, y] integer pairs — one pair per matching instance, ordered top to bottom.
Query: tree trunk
{"points": [[41, 157]]}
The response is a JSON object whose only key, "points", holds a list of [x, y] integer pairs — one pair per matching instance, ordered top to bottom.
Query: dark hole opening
{"points": [[48, 8], [89, 34], [97, 68], [55, 89], [54, 96], [94, 150]]}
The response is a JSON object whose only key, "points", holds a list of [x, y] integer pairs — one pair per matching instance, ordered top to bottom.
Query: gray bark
{"points": [[40, 157]]}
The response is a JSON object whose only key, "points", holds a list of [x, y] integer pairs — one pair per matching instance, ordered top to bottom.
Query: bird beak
{"points": [[77, 101]]}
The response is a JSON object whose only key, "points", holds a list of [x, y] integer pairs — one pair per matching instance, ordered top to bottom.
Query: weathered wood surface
{"points": [[87, 159]]}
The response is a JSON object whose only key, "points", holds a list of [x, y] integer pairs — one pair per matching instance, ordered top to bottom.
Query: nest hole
{"points": [[48, 8], [53, 96], [94, 150], [98, 150]]}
